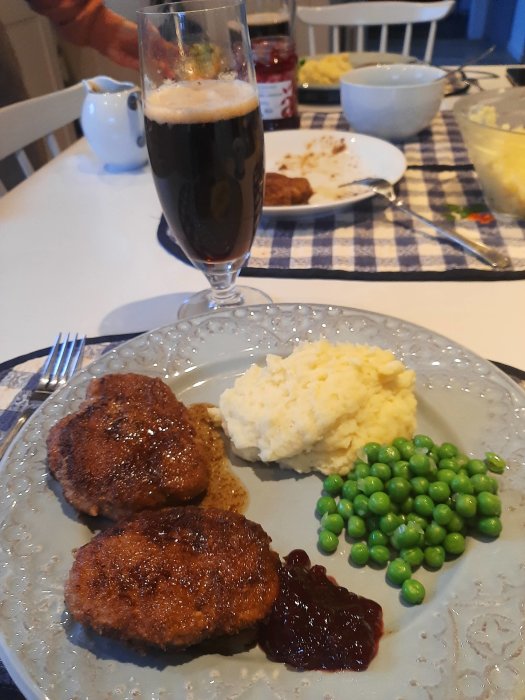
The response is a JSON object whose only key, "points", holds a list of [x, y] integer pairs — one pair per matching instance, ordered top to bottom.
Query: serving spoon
{"points": [[385, 189]]}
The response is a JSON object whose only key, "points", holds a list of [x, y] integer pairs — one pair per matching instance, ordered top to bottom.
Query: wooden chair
{"points": [[360, 15], [23, 123]]}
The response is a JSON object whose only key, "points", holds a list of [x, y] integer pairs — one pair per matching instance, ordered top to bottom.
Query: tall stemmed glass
{"points": [[205, 139]]}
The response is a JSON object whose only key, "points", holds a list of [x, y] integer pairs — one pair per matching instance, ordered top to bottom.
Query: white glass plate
{"points": [[373, 157], [465, 640]]}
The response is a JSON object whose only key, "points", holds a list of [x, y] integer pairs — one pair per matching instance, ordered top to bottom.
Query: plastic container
{"points": [[275, 62], [492, 124]]}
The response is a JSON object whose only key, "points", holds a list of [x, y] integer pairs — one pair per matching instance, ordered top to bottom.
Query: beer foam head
{"points": [[200, 101]]}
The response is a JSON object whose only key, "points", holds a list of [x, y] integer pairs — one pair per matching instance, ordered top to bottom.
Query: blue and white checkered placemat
{"points": [[370, 241]]}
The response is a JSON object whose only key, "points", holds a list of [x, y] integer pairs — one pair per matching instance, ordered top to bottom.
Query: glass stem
{"points": [[223, 287]]}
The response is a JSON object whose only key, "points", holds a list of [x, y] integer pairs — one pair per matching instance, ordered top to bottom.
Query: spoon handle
{"points": [[489, 255]]}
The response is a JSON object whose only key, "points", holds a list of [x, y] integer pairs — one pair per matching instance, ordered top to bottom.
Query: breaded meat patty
{"points": [[131, 446], [174, 577]]}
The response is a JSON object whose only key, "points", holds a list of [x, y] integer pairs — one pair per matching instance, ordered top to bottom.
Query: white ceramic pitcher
{"points": [[113, 123]]}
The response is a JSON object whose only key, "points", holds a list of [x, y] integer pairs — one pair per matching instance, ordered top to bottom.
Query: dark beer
{"points": [[262, 24], [206, 148]]}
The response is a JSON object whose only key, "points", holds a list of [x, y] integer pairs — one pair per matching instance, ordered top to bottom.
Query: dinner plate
{"points": [[311, 93], [364, 156], [464, 641]]}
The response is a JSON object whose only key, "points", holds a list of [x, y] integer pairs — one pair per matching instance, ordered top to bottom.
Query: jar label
{"points": [[276, 99]]}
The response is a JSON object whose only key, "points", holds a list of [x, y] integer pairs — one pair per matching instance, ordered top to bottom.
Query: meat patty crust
{"points": [[131, 446], [174, 577]]}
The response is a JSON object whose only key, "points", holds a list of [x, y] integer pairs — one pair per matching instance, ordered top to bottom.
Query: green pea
{"points": [[398, 441], [423, 441], [371, 450], [407, 450], [447, 450], [388, 454], [462, 460], [449, 463], [495, 463], [419, 464], [476, 466], [401, 469], [361, 470], [381, 471], [445, 475], [481, 482], [333, 484], [370, 484], [461, 484], [419, 485], [494, 486], [398, 489], [349, 490], [439, 491], [379, 503], [488, 503], [326, 504], [360, 505], [423, 505], [466, 505], [407, 506], [345, 508], [442, 514], [418, 519], [333, 522], [388, 523], [456, 523], [490, 526], [356, 527], [434, 534], [406, 536], [377, 537], [327, 541], [454, 543], [359, 553], [379, 554], [413, 556], [434, 556], [398, 570], [412, 591]]}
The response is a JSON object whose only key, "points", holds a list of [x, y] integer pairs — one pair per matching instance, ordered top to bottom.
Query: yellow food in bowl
{"points": [[325, 70], [314, 409]]}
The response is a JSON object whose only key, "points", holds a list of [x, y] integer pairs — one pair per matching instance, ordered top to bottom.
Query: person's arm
{"points": [[91, 23]]}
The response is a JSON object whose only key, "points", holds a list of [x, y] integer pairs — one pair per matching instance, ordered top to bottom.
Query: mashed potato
{"points": [[325, 70], [315, 408]]}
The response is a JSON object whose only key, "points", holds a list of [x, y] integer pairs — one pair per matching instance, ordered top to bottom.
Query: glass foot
{"points": [[203, 302]]}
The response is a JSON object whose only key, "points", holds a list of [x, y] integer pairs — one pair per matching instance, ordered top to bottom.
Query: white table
{"points": [[78, 252]]}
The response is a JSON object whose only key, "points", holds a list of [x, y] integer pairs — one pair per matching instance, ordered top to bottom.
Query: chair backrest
{"points": [[367, 14], [23, 123]]}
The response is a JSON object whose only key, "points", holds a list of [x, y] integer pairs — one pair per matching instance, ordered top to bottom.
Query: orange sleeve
{"points": [[82, 22]]}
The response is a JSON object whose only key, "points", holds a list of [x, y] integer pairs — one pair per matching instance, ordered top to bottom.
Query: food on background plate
{"points": [[324, 70], [327, 163], [281, 190], [313, 409], [131, 446], [410, 503], [174, 577]]}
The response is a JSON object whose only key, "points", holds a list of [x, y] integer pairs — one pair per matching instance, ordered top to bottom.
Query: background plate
{"points": [[377, 158], [464, 642]]}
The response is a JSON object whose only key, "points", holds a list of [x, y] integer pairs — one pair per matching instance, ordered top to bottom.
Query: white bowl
{"points": [[392, 102]]}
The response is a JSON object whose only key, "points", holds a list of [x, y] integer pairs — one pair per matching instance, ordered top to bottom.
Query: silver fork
{"points": [[385, 189], [62, 361]]}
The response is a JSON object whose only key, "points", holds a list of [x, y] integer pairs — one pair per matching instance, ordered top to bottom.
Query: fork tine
{"points": [[76, 355], [51, 357]]}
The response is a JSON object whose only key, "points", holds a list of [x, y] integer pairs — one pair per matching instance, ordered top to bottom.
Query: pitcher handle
{"points": [[135, 107]]}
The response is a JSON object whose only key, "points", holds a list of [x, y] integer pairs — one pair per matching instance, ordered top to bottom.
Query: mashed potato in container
{"points": [[324, 70], [314, 409]]}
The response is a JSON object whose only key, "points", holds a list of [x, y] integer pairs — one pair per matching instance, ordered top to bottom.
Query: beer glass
{"points": [[205, 139]]}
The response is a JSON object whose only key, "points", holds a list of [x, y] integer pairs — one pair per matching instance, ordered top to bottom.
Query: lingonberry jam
{"points": [[275, 62], [316, 624]]}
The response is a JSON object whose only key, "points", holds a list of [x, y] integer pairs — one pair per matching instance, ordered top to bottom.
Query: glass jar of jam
{"points": [[275, 62]]}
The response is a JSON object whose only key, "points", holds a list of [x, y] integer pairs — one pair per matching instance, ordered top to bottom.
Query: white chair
{"points": [[367, 14], [23, 123]]}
